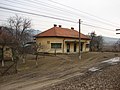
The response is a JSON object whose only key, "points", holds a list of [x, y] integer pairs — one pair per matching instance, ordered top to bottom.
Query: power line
{"points": [[20, 3], [47, 5], [54, 7], [32, 10], [60, 10], [82, 12], [73, 13], [37, 14], [52, 17], [38, 19], [97, 27]]}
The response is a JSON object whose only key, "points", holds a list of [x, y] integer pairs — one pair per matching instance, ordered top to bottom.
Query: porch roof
{"points": [[73, 40]]}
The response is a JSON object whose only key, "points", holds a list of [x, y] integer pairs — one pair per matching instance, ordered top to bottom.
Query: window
{"points": [[56, 45], [87, 45]]}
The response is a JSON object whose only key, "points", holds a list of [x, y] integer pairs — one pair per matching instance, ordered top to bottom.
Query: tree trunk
{"points": [[12, 54], [12, 58], [24, 60], [3, 62], [36, 63], [16, 66]]}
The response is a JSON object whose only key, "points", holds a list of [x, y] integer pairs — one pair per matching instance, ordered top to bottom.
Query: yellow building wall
{"points": [[45, 42], [88, 48], [84, 49]]}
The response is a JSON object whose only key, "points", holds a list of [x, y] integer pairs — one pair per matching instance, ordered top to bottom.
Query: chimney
{"points": [[55, 25], [60, 25], [72, 28]]}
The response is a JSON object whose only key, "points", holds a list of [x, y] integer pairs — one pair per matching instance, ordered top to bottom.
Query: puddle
{"points": [[112, 61], [93, 69]]}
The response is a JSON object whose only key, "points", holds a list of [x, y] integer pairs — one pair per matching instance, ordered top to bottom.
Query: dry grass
{"points": [[54, 65]]}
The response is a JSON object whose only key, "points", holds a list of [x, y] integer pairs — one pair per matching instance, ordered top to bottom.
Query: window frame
{"points": [[56, 45]]}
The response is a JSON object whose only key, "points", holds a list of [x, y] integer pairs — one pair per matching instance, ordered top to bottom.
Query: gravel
{"points": [[106, 79]]}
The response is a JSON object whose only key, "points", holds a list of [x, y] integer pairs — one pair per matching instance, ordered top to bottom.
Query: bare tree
{"points": [[20, 29], [15, 35], [92, 36], [96, 43], [99, 43], [116, 46], [36, 48]]}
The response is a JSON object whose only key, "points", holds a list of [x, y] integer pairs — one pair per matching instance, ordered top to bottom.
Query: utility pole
{"points": [[79, 39]]}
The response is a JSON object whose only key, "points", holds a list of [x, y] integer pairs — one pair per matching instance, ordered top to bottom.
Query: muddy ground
{"points": [[65, 72], [106, 78]]}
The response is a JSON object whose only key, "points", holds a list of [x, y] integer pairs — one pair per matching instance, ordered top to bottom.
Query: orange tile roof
{"points": [[61, 32]]}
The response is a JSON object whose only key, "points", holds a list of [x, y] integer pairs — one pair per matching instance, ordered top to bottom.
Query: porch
{"points": [[72, 46]]}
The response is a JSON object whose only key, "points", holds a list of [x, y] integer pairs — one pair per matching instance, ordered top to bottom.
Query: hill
{"points": [[109, 40]]}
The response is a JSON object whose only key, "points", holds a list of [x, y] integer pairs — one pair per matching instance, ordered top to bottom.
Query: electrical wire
{"points": [[20, 3], [47, 5], [33, 10], [71, 12], [82, 12], [37, 14], [52, 17], [34, 20], [97, 27]]}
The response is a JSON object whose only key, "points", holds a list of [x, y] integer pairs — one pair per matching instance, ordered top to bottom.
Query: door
{"points": [[82, 46], [68, 47], [74, 47]]}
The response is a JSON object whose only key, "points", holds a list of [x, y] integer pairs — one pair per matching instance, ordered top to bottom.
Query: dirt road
{"points": [[100, 75], [105, 76]]}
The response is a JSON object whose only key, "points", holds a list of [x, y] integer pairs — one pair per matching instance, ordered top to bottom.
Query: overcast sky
{"points": [[100, 13]]}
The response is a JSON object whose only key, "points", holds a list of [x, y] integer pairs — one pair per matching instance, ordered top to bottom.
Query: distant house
{"points": [[62, 40], [5, 50]]}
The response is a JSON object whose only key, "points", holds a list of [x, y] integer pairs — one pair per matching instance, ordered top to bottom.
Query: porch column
{"points": [[63, 45]]}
